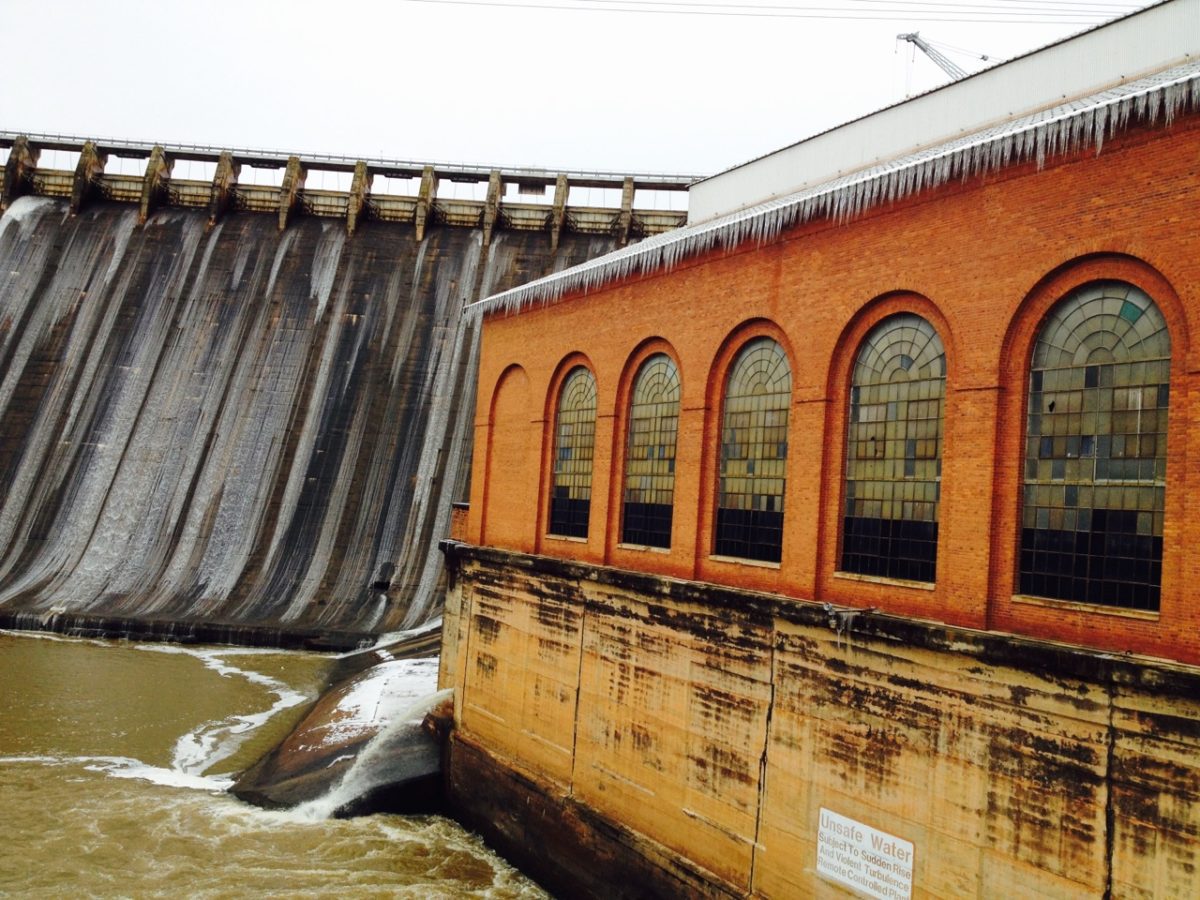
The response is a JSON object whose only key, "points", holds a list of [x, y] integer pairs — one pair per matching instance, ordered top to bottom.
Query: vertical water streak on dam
{"points": [[238, 426]]}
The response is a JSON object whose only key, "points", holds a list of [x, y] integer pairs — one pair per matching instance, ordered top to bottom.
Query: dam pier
{"points": [[424, 205]]}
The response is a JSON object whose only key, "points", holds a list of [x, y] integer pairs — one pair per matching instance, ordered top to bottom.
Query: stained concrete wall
{"points": [[236, 433], [690, 734]]}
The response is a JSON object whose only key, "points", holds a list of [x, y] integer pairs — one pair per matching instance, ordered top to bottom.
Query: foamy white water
{"points": [[200, 750], [113, 757]]}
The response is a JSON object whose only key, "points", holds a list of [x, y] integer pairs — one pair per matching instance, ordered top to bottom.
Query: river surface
{"points": [[114, 757]]}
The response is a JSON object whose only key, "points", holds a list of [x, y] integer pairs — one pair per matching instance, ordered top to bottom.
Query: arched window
{"points": [[574, 441], [1096, 450], [894, 451], [754, 453], [650, 454]]}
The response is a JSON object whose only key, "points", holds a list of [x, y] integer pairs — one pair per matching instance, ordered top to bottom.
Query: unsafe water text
{"points": [[870, 861]]}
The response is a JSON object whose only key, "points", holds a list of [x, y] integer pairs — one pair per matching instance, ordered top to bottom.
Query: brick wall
{"points": [[982, 261]]}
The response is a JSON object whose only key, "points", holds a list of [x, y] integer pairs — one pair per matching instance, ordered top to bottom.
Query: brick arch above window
{"points": [[1020, 340], [509, 445]]}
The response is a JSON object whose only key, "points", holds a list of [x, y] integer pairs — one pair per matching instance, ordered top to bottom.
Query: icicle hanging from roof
{"points": [[1067, 128]]}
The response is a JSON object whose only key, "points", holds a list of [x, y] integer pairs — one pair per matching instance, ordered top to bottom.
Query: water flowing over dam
{"points": [[231, 429]]}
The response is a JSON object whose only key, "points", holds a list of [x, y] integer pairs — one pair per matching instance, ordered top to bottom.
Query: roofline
{"points": [[1068, 128]]}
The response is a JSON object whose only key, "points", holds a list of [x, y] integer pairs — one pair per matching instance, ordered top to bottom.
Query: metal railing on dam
{"points": [[421, 206], [222, 416]]}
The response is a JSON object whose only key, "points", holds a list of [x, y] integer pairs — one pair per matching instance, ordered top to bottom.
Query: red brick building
{"points": [[939, 363], [958, 383]]}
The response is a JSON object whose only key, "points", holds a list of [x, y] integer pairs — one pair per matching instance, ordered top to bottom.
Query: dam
{"points": [[238, 408], [837, 542]]}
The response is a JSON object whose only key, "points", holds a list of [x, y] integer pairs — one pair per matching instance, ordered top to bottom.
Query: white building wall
{"points": [[1133, 47]]}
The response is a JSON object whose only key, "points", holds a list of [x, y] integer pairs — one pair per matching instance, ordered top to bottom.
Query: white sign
{"points": [[872, 862]]}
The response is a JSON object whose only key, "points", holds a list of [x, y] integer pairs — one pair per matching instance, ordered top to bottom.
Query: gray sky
{"points": [[499, 86]]}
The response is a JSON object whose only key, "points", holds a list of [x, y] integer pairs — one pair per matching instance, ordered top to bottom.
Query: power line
{"points": [[1034, 4], [1017, 7], [1032, 7], [1056, 15]]}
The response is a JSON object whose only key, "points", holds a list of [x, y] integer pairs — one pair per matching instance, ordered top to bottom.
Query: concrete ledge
{"points": [[80, 625], [991, 647], [558, 841]]}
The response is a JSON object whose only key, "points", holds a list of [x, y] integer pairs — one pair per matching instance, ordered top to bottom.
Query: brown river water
{"points": [[113, 761]]}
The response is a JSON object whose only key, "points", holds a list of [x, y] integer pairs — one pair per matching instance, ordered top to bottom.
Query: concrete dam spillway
{"points": [[236, 431]]}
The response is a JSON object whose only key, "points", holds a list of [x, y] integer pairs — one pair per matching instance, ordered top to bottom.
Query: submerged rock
{"points": [[331, 759], [400, 770]]}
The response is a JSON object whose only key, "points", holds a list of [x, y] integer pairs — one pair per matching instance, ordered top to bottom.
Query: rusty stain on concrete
{"points": [[693, 732]]}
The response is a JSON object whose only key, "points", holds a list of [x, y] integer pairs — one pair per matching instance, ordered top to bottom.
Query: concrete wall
{"points": [[299, 188], [240, 412], [236, 433], [622, 734]]}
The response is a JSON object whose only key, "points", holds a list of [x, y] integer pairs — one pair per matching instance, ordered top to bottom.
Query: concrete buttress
{"points": [[18, 171], [87, 172], [224, 183], [155, 184], [561, 189], [289, 192], [425, 200], [356, 204], [491, 206], [626, 217]]}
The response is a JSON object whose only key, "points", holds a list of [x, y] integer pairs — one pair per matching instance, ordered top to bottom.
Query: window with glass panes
{"points": [[574, 442], [1096, 450], [894, 451], [650, 454], [749, 519]]}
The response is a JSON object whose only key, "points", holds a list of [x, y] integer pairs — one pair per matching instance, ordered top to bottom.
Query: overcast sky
{"points": [[435, 82]]}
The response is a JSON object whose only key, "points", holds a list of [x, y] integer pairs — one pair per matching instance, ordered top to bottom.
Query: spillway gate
{"points": [[419, 200]]}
